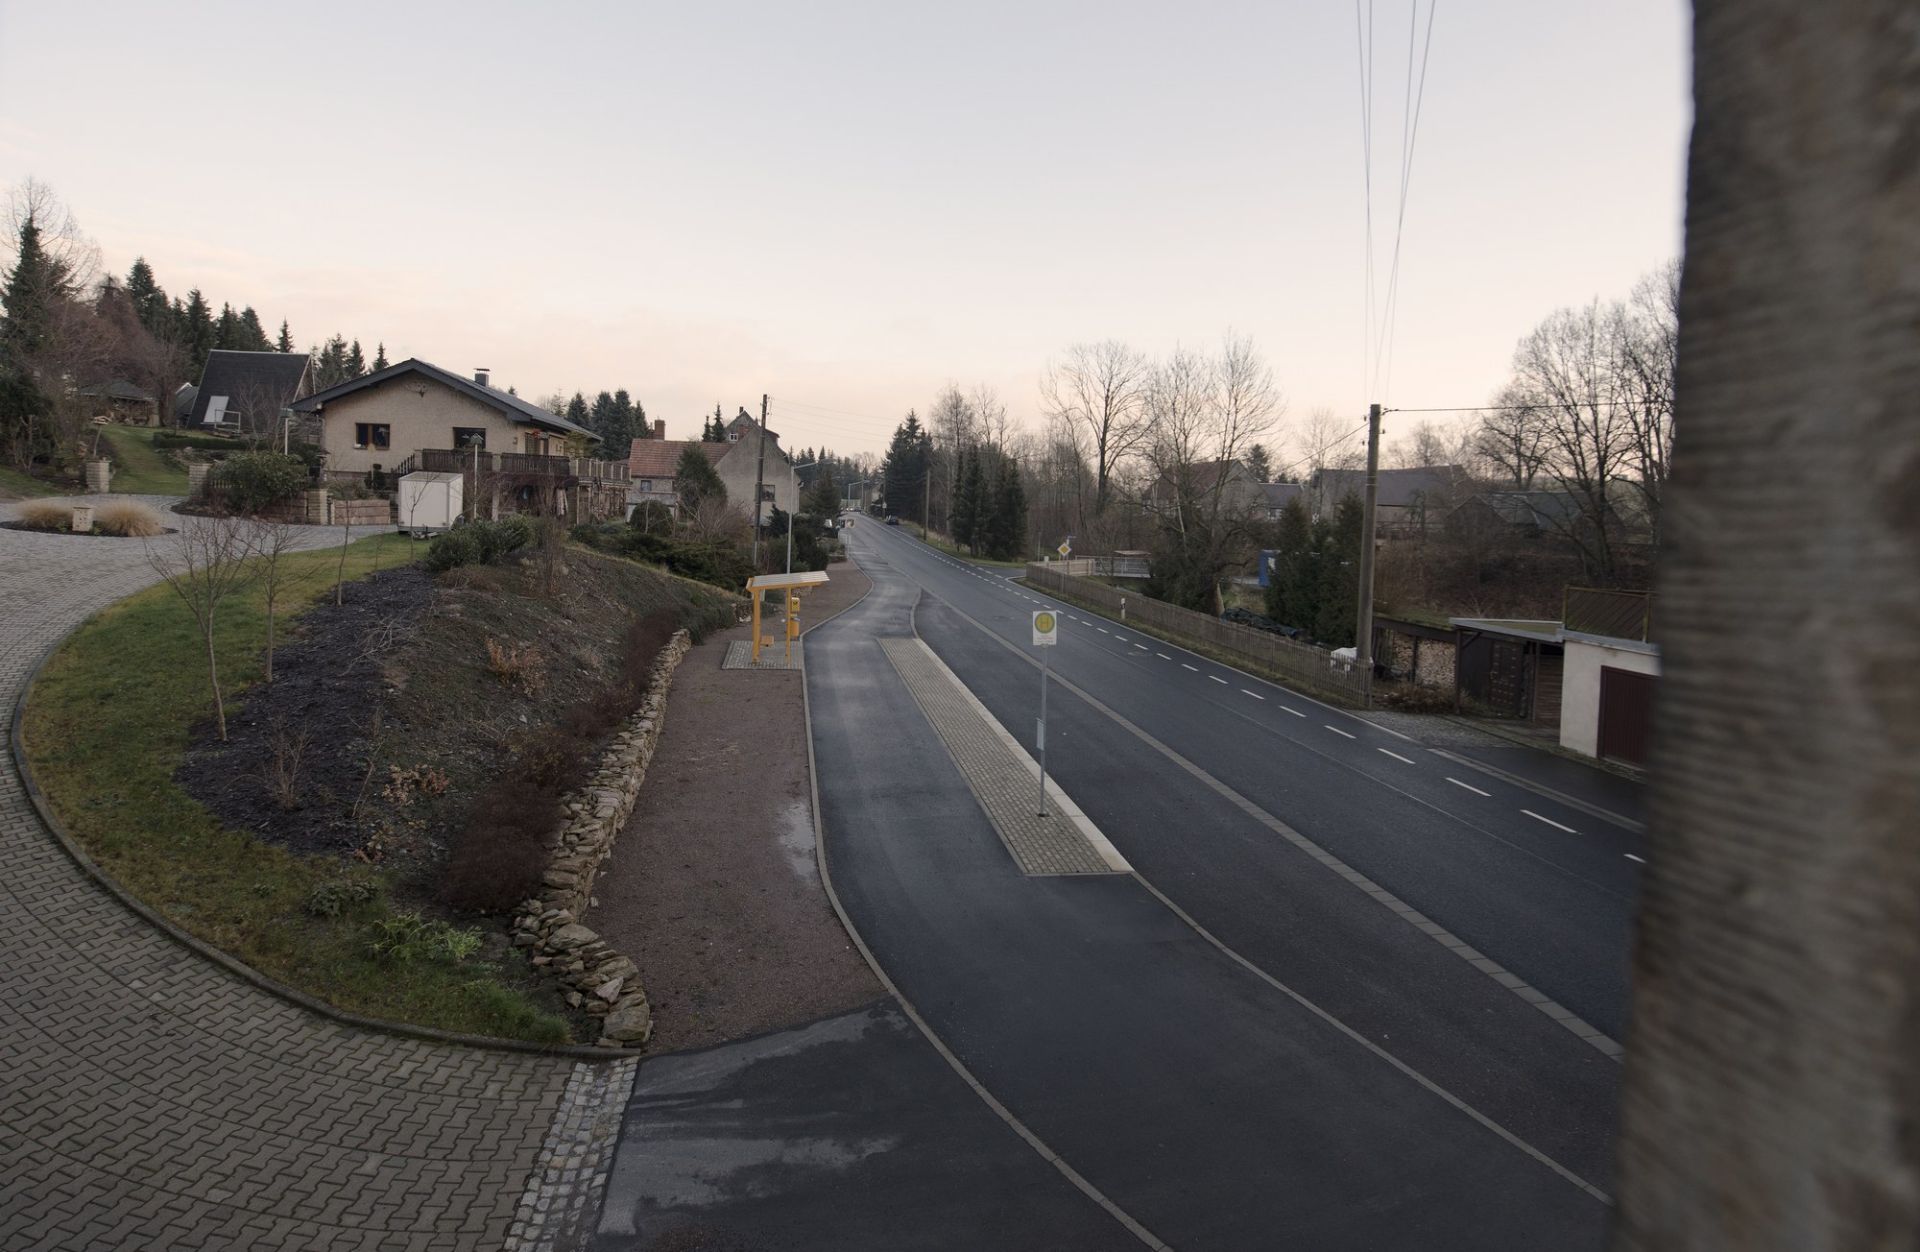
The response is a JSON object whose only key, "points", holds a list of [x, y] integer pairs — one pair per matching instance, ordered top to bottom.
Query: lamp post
{"points": [[793, 480]]}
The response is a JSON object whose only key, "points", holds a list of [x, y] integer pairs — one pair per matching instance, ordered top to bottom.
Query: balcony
{"points": [[516, 465]]}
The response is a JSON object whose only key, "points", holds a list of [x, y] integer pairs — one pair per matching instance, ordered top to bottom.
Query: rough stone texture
{"points": [[595, 815], [1773, 1068], [151, 1099]]}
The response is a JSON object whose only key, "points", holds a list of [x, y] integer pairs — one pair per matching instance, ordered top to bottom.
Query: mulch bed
{"points": [[85, 534], [325, 699]]}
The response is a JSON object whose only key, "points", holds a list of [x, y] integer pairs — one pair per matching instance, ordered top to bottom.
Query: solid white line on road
{"points": [[1163, 656], [1194, 668], [1218, 679], [1256, 695], [1295, 712], [1336, 730], [1396, 756], [1456, 782], [1549, 821], [1632, 857]]}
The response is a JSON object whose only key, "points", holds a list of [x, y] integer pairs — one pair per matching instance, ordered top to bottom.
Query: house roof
{"points": [[240, 374], [118, 389], [183, 400], [513, 408], [658, 458], [1207, 476], [1397, 488], [1279, 495], [1533, 508]]}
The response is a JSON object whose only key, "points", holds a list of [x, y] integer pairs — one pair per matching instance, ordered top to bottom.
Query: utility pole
{"points": [[759, 476], [926, 502], [1363, 620]]}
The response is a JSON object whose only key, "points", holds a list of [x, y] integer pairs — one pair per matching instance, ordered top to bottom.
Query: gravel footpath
{"points": [[713, 889]]}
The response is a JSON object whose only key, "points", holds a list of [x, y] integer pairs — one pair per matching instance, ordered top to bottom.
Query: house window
{"points": [[375, 435], [470, 437], [646, 484]]}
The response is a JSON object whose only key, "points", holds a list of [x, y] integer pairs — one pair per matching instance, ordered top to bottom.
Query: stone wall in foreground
{"points": [[603, 981]]}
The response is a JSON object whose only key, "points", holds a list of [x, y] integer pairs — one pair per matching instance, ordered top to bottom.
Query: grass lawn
{"points": [[138, 466], [14, 483], [106, 726]]}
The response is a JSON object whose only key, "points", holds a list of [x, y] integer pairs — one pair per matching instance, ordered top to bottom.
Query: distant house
{"points": [[248, 392], [121, 401], [181, 406], [515, 455], [651, 464], [1240, 493], [1278, 496], [1405, 500], [1526, 514], [1612, 674]]}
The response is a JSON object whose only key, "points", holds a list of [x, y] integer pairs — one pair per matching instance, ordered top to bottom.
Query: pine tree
{"points": [[32, 287], [149, 302], [196, 326], [226, 330], [252, 334], [285, 342], [380, 361], [356, 362], [577, 411], [1260, 461], [904, 473], [695, 481], [823, 498], [970, 501], [1007, 525], [1339, 574], [1292, 598]]}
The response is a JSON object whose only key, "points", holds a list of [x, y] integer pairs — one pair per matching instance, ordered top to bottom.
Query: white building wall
{"points": [[1580, 687]]}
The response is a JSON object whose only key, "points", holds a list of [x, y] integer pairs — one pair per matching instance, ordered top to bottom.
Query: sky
{"points": [[848, 206]]}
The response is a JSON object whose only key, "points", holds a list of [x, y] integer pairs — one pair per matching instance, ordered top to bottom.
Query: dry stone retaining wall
{"points": [[603, 981]]}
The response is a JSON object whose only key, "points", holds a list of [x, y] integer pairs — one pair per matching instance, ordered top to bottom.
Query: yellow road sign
{"points": [[1046, 628]]}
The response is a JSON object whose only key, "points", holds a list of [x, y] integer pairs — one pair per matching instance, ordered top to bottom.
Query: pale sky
{"points": [[848, 205]]}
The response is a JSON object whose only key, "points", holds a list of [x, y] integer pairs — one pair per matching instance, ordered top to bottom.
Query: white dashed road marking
{"points": [[1163, 656], [1194, 668], [1218, 679], [1256, 695], [1295, 712], [1336, 730], [1396, 756], [1456, 782], [1549, 821], [1632, 857]]}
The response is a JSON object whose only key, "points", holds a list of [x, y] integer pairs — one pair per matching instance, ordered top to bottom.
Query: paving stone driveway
{"points": [[150, 1099]]}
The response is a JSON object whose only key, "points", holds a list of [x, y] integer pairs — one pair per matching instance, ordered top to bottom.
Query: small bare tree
{"points": [[1099, 391], [270, 543], [209, 561]]}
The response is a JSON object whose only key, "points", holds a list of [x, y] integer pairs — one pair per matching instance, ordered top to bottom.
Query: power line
{"points": [[1410, 138], [1526, 408]]}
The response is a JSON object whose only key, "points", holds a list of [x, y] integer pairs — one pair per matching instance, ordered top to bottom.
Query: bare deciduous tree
{"points": [[1099, 392], [270, 543], [208, 561]]}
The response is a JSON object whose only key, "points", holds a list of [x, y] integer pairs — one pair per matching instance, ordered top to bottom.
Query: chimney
{"points": [[480, 374], [659, 428]]}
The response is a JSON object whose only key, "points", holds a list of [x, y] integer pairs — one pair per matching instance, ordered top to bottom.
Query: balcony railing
{"points": [[515, 465]]}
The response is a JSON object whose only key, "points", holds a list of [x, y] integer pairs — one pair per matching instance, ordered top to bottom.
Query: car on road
{"points": [[892, 520]]}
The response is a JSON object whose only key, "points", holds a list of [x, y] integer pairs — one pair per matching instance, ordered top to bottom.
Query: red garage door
{"points": [[1626, 714]]}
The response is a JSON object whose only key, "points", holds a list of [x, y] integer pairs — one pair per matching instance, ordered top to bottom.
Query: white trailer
{"points": [[430, 501]]}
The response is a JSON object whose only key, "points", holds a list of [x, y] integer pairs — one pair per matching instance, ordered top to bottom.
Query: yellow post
{"points": [[793, 623], [756, 625]]}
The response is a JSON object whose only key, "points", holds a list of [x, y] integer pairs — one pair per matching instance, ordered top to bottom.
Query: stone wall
{"points": [[601, 980]]}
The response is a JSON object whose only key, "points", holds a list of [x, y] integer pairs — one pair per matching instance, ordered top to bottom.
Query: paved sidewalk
{"points": [[150, 1099]]}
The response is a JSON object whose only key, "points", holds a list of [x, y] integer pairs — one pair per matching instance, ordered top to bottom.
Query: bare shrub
{"points": [[42, 515], [128, 519], [209, 562], [518, 665], [283, 765]]}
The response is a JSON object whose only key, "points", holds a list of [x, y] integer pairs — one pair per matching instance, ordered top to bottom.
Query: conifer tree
{"points": [[32, 287], [149, 302], [196, 325], [226, 330], [251, 334], [285, 342], [380, 361], [356, 362], [577, 412], [903, 475], [695, 481], [823, 498], [969, 501], [1007, 524], [1291, 591]]}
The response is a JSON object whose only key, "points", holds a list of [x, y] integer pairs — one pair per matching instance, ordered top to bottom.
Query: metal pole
{"points": [[1363, 620], [1046, 669]]}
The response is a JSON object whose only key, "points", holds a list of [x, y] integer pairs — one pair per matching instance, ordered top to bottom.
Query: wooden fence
{"points": [[1294, 663]]}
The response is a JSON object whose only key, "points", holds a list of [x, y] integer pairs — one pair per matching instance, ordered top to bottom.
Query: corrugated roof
{"points": [[238, 376], [512, 407]]}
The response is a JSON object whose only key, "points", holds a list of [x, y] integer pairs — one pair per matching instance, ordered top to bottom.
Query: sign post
{"points": [[1046, 633]]}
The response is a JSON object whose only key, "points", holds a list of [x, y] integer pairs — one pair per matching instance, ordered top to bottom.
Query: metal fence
{"points": [[1102, 566], [1614, 614], [1295, 663]]}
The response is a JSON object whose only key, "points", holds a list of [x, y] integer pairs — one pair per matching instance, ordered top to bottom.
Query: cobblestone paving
{"points": [[1000, 780], [150, 1099]]}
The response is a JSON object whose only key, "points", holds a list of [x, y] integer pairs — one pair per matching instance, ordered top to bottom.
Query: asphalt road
{"points": [[1240, 1047]]}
